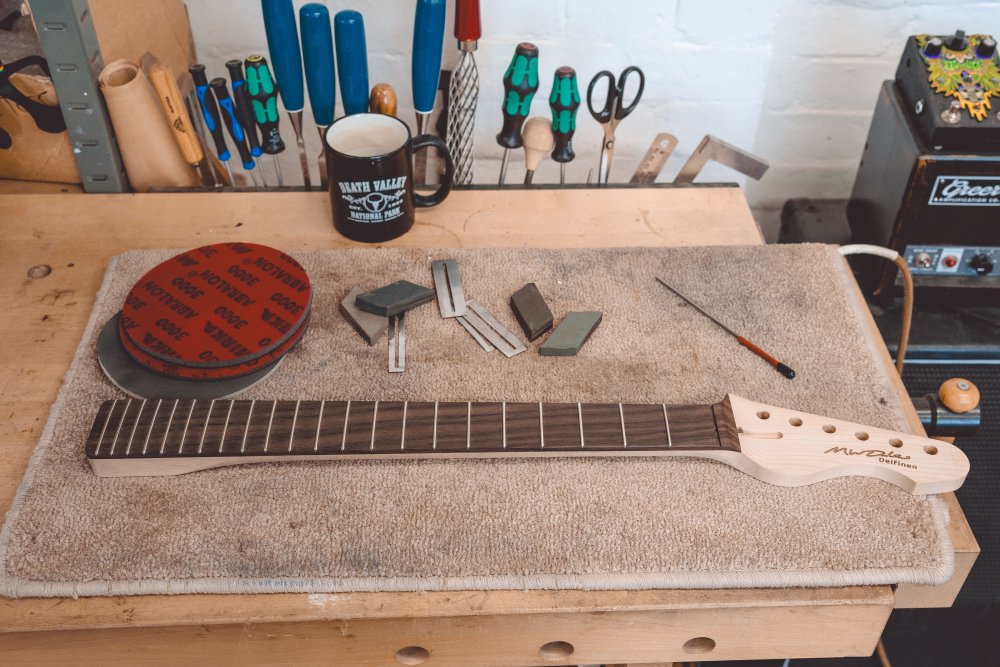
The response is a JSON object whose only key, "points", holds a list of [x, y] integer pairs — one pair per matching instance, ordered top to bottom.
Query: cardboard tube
{"points": [[151, 156]]}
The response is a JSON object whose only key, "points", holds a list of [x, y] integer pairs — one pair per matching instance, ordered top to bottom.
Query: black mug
{"points": [[369, 166]]}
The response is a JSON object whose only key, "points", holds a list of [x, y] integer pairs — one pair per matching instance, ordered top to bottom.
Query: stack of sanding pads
{"points": [[207, 323]]}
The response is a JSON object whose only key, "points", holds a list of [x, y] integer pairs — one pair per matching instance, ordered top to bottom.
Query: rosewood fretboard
{"points": [[129, 429]]}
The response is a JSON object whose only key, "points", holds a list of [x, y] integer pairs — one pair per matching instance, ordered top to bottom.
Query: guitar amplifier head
{"points": [[929, 181]]}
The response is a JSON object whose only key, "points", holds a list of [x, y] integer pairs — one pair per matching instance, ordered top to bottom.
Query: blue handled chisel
{"points": [[428, 42], [317, 54], [286, 61], [352, 61], [210, 114]]}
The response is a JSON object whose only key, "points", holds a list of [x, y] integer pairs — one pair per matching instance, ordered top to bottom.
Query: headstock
{"points": [[793, 448]]}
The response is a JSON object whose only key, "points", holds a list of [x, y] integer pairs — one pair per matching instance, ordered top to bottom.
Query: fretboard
{"points": [[241, 429]]}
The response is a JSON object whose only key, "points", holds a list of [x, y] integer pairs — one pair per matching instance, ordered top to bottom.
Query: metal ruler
{"points": [[66, 32], [652, 162]]}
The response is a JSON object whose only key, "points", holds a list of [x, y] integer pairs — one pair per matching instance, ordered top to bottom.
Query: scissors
{"points": [[612, 113]]}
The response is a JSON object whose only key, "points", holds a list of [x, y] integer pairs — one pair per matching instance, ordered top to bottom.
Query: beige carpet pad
{"points": [[466, 524]]}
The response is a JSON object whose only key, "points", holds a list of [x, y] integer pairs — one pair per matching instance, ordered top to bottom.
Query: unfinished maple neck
{"points": [[132, 437]]}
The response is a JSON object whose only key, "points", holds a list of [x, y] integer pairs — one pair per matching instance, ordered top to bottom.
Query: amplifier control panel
{"points": [[954, 265]]}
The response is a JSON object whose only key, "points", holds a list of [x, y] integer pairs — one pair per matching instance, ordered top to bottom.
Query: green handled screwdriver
{"points": [[520, 82], [564, 101], [264, 103]]}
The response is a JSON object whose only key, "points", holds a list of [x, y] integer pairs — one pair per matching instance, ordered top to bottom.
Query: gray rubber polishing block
{"points": [[393, 299], [531, 310], [369, 325], [571, 334]]}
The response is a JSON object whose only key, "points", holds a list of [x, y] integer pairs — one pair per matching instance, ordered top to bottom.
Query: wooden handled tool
{"points": [[165, 85], [382, 99], [538, 142], [132, 437]]}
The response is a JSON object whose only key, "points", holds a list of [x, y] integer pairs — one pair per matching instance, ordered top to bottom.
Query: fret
{"points": [[621, 415], [347, 416], [295, 418], [579, 418], [170, 421], [152, 422], [270, 423], [332, 423], [319, 424], [666, 424], [135, 425], [225, 425], [468, 425], [505, 425], [644, 426], [541, 427], [692, 427], [281, 428], [104, 429], [246, 429], [204, 430], [402, 434], [358, 435], [434, 435], [114, 442], [371, 446], [180, 447]]}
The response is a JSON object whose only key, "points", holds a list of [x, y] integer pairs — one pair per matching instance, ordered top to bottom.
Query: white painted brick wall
{"points": [[793, 80]]}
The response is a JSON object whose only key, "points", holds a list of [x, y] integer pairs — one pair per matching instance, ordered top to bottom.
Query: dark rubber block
{"points": [[393, 299], [531, 311], [571, 334]]}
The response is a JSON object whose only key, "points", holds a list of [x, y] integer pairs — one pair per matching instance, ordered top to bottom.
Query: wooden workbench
{"points": [[75, 235]]}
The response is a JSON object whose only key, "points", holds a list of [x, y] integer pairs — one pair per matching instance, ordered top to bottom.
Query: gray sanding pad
{"points": [[394, 298], [531, 311], [369, 325], [571, 334], [140, 382]]}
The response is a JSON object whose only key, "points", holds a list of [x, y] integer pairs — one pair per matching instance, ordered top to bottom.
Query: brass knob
{"points": [[959, 395]]}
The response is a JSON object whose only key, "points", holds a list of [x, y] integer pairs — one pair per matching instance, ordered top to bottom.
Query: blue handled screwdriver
{"points": [[428, 42], [283, 43], [317, 54], [352, 61], [243, 109], [210, 114], [233, 125]]}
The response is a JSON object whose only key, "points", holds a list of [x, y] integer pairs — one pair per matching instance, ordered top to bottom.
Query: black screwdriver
{"points": [[520, 82], [263, 91], [564, 101], [243, 111], [210, 113], [232, 123]]}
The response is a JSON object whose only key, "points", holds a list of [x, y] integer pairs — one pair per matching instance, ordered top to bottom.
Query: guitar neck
{"points": [[165, 437]]}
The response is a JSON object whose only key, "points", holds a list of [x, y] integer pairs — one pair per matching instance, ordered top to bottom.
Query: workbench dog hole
{"points": [[39, 271], [699, 645], [556, 650], [412, 655]]}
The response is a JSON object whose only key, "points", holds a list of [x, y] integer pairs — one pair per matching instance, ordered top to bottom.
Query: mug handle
{"points": [[426, 141]]}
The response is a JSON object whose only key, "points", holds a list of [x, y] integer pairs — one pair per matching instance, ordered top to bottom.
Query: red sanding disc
{"points": [[217, 306], [214, 373]]}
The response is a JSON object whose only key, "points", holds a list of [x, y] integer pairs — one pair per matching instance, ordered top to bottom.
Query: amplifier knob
{"points": [[933, 47], [986, 48], [922, 260], [981, 264]]}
